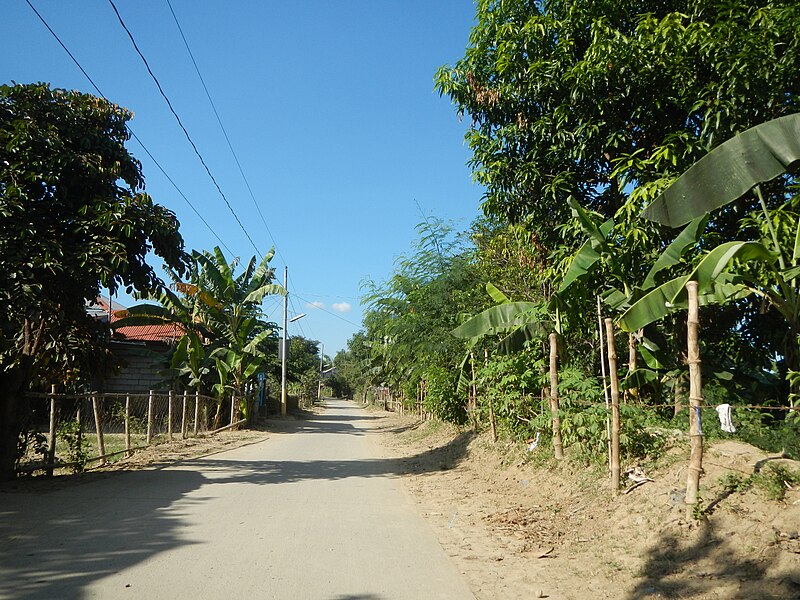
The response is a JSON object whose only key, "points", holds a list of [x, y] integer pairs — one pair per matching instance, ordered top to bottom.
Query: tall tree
{"points": [[592, 98], [73, 219]]}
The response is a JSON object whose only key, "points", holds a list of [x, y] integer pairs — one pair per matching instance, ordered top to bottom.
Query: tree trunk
{"points": [[12, 414], [218, 414]]}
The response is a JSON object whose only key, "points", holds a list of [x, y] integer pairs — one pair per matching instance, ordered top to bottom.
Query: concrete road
{"points": [[312, 513]]}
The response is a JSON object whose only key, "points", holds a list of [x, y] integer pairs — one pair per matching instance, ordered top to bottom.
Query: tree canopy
{"points": [[593, 98], [73, 219]]}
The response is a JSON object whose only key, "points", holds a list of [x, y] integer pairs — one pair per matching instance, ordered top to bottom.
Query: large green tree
{"points": [[593, 98], [607, 102], [73, 219]]}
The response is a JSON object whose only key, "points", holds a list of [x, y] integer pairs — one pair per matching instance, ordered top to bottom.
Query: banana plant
{"points": [[729, 172], [599, 249], [221, 315], [517, 322], [190, 360]]}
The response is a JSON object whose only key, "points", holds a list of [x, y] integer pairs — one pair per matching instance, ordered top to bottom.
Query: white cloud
{"points": [[315, 304], [342, 307]]}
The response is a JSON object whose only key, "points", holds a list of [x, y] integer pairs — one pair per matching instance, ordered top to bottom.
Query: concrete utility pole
{"points": [[284, 340], [321, 359]]}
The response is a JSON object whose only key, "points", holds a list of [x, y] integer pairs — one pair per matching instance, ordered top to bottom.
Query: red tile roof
{"points": [[168, 332]]}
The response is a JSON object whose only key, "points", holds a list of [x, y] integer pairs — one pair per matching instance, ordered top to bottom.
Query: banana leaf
{"points": [[729, 171], [588, 254], [672, 254], [712, 286], [496, 294], [496, 319], [638, 378]]}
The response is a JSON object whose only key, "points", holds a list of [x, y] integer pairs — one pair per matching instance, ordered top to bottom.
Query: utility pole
{"points": [[284, 345], [321, 359]]}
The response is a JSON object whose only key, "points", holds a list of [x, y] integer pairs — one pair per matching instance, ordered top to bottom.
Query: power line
{"points": [[180, 123], [222, 127], [133, 134], [175, 185], [341, 318], [299, 324]]}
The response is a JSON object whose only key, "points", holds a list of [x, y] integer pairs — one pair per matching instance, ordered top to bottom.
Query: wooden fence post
{"points": [[612, 372], [605, 380], [695, 400], [79, 401], [473, 401], [233, 408], [196, 411], [169, 415], [184, 415], [150, 417], [492, 422], [98, 425], [51, 440], [557, 446], [128, 452]]}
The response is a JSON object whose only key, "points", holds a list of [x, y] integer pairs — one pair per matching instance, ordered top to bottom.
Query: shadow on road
{"points": [[267, 472], [56, 541], [54, 544]]}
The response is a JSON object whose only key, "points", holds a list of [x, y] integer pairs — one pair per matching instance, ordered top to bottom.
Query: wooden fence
{"points": [[99, 427]]}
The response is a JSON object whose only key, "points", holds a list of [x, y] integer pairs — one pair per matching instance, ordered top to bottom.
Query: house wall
{"points": [[140, 371]]}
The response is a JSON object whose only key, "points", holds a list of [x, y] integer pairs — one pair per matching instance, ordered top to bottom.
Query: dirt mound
{"points": [[521, 526]]}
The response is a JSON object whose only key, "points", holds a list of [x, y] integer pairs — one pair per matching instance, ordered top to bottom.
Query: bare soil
{"points": [[519, 525]]}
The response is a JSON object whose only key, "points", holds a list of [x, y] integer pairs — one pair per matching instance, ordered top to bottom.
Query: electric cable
{"points": [[183, 128], [130, 130], [224, 131], [329, 312]]}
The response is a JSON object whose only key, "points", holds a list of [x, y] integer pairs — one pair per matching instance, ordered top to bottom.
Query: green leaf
{"points": [[729, 171], [595, 234], [796, 252], [588, 255], [672, 255], [582, 263], [496, 294], [257, 295], [615, 299], [662, 300], [652, 307], [496, 319], [515, 341], [650, 356], [638, 378]]}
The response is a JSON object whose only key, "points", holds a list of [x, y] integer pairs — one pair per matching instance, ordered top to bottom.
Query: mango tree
{"points": [[74, 219]]}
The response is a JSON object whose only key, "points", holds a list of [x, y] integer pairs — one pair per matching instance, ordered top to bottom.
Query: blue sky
{"points": [[329, 106]]}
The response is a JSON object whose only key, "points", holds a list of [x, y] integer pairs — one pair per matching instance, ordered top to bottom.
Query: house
{"points": [[143, 351]]}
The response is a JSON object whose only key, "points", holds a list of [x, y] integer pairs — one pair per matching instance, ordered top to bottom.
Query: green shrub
{"points": [[441, 399], [77, 446]]}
